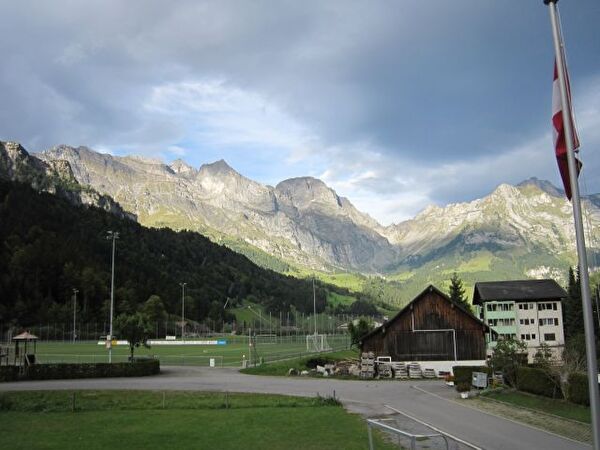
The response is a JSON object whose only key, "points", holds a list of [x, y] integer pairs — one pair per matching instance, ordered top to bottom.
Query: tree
{"points": [[457, 292], [363, 307], [154, 309], [573, 309], [135, 328], [359, 330], [508, 355], [559, 371]]}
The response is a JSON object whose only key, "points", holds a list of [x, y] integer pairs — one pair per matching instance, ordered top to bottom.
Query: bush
{"points": [[138, 368], [9, 373], [464, 374], [539, 382], [578, 389]]}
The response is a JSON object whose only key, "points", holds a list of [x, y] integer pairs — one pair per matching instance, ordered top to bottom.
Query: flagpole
{"points": [[590, 343]]}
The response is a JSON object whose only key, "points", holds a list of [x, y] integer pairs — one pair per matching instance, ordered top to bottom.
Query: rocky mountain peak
{"points": [[13, 148], [180, 167], [217, 168], [52, 172], [543, 185], [305, 191]]}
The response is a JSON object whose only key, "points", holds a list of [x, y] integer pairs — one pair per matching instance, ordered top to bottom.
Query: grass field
{"points": [[230, 354], [147, 420]]}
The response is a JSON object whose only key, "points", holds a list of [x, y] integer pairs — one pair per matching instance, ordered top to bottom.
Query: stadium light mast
{"points": [[113, 235], [75, 291], [182, 308]]}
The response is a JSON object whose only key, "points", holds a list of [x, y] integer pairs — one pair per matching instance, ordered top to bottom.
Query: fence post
{"points": [[370, 437]]}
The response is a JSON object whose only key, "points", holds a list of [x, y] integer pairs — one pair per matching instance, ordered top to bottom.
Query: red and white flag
{"points": [[560, 143]]}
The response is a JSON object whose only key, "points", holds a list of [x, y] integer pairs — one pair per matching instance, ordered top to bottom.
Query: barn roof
{"points": [[428, 289], [517, 290]]}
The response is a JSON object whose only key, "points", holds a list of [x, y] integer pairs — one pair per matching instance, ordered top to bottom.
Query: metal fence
{"points": [[283, 325], [412, 438]]}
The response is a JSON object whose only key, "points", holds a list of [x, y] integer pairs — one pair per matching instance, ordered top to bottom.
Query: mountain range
{"points": [[302, 225]]}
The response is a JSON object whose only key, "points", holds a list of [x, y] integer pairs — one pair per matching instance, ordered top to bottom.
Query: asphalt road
{"points": [[427, 401]]}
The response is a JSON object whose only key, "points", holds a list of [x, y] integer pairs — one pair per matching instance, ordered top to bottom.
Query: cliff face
{"points": [[55, 176], [301, 220], [305, 222]]}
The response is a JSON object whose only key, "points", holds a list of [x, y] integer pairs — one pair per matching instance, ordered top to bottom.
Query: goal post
{"points": [[266, 339], [317, 343]]}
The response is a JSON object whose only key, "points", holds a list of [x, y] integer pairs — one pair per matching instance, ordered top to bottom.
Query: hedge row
{"points": [[93, 370], [464, 374], [536, 381], [578, 390]]}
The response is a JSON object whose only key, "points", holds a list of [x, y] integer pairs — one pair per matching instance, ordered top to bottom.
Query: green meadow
{"points": [[231, 354], [159, 420]]}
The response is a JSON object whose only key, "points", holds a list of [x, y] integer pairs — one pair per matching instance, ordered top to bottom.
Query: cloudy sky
{"points": [[395, 104]]}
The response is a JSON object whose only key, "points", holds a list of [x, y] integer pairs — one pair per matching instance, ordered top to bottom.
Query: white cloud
{"points": [[222, 115]]}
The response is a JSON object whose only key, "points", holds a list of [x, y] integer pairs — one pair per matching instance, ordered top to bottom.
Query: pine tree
{"points": [[457, 291], [572, 307]]}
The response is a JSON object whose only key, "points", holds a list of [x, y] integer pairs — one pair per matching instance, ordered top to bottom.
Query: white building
{"points": [[527, 310]]}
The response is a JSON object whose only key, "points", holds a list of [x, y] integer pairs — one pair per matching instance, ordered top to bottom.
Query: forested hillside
{"points": [[48, 247]]}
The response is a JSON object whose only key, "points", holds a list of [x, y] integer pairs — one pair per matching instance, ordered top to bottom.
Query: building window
{"points": [[532, 306], [549, 306], [491, 307], [532, 321], [549, 321], [506, 322], [533, 336], [549, 337]]}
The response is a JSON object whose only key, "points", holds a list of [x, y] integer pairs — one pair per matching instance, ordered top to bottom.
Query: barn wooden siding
{"points": [[431, 311]]}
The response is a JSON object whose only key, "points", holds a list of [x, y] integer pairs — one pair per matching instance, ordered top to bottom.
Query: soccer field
{"points": [[232, 353]]}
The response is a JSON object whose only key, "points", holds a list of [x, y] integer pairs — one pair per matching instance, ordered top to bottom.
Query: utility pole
{"points": [[113, 235], [75, 291], [314, 304], [182, 309]]}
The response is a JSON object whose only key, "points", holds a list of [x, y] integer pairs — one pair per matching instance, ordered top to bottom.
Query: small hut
{"points": [[430, 328], [25, 348]]}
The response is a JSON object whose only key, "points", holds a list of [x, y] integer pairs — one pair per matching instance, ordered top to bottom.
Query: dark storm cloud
{"points": [[396, 93]]}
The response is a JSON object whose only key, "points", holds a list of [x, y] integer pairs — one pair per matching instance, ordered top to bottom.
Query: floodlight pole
{"points": [[114, 235], [75, 291], [182, 309]]}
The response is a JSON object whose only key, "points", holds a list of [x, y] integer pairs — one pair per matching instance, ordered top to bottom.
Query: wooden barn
{"points": [[430, 328]]}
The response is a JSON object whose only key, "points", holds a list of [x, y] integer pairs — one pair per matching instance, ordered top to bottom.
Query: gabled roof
{"points": [[428, 289], [517, 290], [25, 336]]}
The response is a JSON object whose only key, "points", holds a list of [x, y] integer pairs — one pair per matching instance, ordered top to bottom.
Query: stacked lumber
{"points": [[367, 365], [414, 370]]}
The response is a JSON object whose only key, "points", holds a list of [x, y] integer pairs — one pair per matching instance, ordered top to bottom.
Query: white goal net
{"points": [[266, 339], [317, 343]]}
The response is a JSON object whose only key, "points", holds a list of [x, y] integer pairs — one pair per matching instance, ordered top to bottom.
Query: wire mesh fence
{"points": [[291, 326]]}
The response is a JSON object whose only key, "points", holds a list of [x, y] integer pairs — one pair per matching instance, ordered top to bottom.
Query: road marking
{"points": [[500, 417], [473, 446]]}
